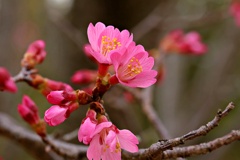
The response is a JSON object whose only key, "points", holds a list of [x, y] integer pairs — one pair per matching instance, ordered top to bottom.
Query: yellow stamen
{"points": [[108, 44]]}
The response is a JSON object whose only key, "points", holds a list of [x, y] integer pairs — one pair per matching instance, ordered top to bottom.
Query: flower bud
{"points": [[34, 55], [84, 76], [6, 82], [51, 85], [61, 97], [28, 111], [55, 115]]}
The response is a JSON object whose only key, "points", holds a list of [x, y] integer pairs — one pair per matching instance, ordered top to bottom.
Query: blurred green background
{"points": [[192, 91]]}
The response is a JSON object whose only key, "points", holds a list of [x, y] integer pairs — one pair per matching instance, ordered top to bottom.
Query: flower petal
{"points": [[128, 140], [94, 149]]}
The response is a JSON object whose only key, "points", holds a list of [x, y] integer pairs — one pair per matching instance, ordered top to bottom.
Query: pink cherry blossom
{"points": [[235, 12], [106, 40], [189, 43], [133, 68], [6, 82], [28, 110], [55, 115], [87, 127], [85, 131], [115, 140], [107, 142]]}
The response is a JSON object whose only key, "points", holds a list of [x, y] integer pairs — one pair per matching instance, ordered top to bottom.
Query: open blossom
{"points": [[235, 12], [104, 40], [189, 43], [35, 54], [133, 68], [6, 82], [56, 114], [87, 127], [107, 142]]}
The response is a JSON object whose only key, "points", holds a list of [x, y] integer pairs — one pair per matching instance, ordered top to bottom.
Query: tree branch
{"points": [[33, 144], [202, 148], [161, 150], [156, 151]]}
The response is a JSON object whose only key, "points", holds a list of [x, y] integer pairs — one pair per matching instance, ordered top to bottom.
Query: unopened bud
{"points": [[34, 55], [84, 76], [6, 82], [51, 85], [61, 97], [28, 111]]}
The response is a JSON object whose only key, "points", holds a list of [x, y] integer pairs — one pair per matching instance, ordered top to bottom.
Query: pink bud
{"points": [[37, 49], [35, 54], [84, 76], [6, 82], [51, 85], [55, 97], [61, 97], [28, 111], [55, 115]]}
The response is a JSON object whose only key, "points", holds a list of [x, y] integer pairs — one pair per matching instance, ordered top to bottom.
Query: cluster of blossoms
{"points": [[34, 55], [119, 60], [132, 67], [105, 139]]}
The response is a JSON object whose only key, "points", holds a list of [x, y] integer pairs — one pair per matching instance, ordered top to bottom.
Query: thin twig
{"points": [[151, 114], [202, 148]]}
